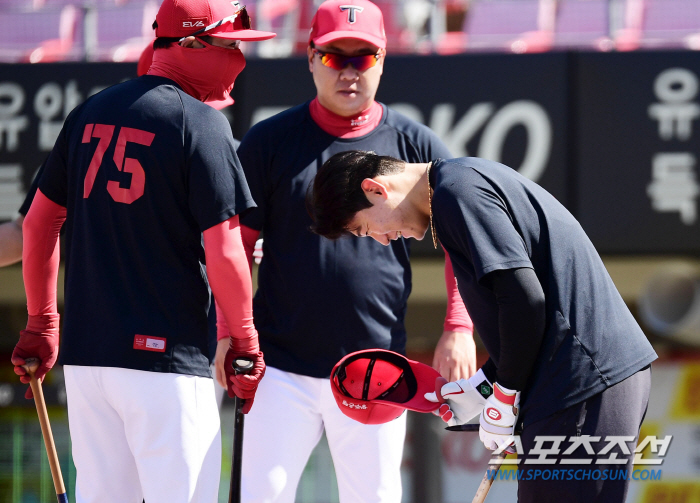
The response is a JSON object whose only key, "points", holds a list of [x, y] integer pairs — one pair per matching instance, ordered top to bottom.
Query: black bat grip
{"points": [[242, 365], [464, 427]]}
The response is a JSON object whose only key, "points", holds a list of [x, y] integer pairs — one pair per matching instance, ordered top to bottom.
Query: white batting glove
{"points": [[257, 251], [465, 398], [498, 418]]}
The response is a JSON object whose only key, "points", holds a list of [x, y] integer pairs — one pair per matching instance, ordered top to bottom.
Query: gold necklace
{"points": [[430, 206]]}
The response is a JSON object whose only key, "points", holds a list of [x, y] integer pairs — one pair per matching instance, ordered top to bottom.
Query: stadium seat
{"points": [[17, 6], [279, 16], [583, 24], [671, 24], [510, 25], [124, 31], [43, 36], [627, 37]]}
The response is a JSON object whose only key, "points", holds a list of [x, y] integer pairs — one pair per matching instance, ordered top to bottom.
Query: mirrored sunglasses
{"points": [[339, 61]]}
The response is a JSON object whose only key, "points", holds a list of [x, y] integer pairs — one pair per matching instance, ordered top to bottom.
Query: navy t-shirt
{"points": [[143, 169], [489, 217], [317, 299], [212, 309]]}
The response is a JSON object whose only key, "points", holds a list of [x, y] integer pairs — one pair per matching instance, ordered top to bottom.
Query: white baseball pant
{"points": [[285, 424], [139, 435]]}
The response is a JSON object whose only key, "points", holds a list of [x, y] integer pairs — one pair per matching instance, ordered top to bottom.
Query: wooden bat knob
{"points": [[31, 365]]}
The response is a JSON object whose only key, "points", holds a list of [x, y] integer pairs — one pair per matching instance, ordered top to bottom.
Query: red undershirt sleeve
{"points": [[41, 254], [229, 277], [457, 318]]}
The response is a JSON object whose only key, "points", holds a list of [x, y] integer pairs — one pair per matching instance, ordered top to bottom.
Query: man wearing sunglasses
{"points": [[143, 174], [317, 300]]}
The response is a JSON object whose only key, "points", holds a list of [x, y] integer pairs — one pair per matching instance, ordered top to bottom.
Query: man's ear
{"points": [[310, 57], [374, 189]]}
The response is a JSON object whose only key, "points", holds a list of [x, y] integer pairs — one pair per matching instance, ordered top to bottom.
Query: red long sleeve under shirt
{"points": [[41, 255], [228, 270]]}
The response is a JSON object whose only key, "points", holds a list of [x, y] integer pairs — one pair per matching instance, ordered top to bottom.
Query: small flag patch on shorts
{"points": [[149, 343]]}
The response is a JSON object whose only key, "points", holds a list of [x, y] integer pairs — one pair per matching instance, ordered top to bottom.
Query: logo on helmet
{"points": [[352, 9], [194, 23], [354, 405]]}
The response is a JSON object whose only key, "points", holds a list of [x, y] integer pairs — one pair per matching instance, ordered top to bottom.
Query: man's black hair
{"points": [[336, 194]]}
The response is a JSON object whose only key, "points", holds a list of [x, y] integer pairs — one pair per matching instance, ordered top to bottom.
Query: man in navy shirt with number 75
{"points": [[146, 177]]}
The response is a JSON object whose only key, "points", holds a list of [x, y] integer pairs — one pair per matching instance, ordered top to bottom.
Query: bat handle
{"points": [[31, 365], [241, 365], [488, 479]]}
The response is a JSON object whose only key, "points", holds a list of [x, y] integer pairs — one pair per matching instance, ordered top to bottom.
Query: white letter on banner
{"points": [[676, 87], [11, 102], [48, 103], [539, 131], [456, 138], [674, 186], [11, 190]]}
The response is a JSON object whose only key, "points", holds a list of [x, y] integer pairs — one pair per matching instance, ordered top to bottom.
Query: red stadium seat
{"points": [[583, 24], [510, 25], [124, 31], [43, 36]]}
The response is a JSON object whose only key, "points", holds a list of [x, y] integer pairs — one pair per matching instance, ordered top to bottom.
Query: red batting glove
{"points": [[39, 340], [243, 386]]}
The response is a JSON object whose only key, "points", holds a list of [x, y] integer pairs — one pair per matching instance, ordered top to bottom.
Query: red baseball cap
{"points": [[182, 18], [359, 19], [144, 64], [374, 386]]}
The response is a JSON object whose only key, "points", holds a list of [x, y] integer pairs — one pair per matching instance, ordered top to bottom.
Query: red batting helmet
{"points": [[374, 386]]}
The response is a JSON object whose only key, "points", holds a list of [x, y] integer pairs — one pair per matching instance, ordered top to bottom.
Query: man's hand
{"points": [[39, 340], [455, 356], [220, 360], [243, 385], [465, 399], [497, 421]]}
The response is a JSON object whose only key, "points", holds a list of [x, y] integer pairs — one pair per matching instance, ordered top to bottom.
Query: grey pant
{"points": [[619, 410]]}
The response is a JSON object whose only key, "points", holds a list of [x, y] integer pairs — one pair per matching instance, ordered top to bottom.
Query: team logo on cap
{"points": [[352, 9], [194, 23], [354, 405]]}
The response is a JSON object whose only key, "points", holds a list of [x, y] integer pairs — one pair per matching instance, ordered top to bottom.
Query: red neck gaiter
{"points": [[206, 74], [346, 127]]}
